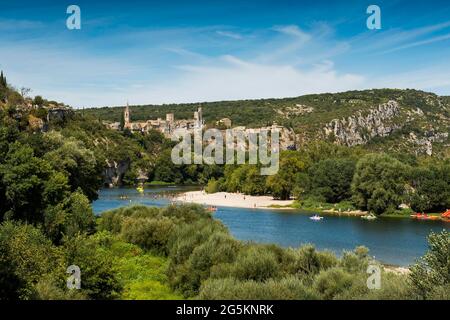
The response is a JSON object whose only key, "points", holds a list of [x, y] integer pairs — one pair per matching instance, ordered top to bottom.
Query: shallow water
{"points": [[390, 240]]}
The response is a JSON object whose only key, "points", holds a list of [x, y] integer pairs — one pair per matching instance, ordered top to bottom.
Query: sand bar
{"points": [[237, 200]]}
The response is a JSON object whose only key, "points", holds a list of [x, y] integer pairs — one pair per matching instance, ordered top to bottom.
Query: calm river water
{"points": [[390, 240]]}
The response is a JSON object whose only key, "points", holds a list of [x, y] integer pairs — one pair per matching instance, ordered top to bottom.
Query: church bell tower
{"points": [[126, 116]]}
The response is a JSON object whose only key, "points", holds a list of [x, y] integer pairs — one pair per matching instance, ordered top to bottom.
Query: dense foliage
{"points": [[51, 168], [326, 173], [206, 262]]}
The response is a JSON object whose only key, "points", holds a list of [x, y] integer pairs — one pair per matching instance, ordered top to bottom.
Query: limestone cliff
{"points": [[360, 128], [114, 172]]}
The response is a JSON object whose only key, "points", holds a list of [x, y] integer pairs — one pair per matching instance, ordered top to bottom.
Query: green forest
{"points": [[52, 166], [324, 174]]}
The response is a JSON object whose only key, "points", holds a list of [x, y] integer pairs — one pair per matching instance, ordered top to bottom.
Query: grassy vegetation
{"points": [[309, 125], [159, 183], [205, 262], [141, 274]]}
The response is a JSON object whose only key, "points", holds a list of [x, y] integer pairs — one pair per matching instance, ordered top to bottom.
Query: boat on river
{"points": [[424, 216], [446, 216], [316, 217], [368, 217]]}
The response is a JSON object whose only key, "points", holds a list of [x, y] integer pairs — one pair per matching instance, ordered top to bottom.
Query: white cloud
{"points": [[295, 31], [228, 34], [191, 65], [233, 79]]}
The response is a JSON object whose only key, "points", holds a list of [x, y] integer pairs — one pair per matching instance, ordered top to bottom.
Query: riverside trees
{"points": [[323, 173]]}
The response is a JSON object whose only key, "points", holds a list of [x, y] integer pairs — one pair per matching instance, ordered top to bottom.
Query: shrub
{"points": [[150, 234], [26, 256], [256, 263], [98, 273], [430, 277], [331, 283], [289, 288]]}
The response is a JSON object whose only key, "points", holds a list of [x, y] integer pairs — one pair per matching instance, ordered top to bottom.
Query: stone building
{"points": [[166, 126]]}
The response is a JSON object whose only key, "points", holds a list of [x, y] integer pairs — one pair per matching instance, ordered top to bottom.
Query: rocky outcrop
{"points": [[298, 110], [59, 114], [35, 124], [360, 128], [425, 144], [114, 172]]}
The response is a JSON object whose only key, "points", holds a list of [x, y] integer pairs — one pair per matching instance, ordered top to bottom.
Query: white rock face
{"points": [[359, 128], [425, 144]]}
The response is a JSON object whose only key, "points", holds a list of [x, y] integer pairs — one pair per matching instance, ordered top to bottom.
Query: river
{"points": [[390, 240]]}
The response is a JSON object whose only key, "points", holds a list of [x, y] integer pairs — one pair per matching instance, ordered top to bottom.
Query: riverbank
{"points": [[236, 200]]}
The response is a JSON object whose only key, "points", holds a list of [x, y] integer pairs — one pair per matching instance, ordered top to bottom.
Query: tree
{"points": [[3, 82], [24, 92], [38, 101], [78, 163], [166, 170], [23, 179], [331, 179], [379, 183], [282, 184], [431, 188], [26, 256], [99, 275], [430, 277]]}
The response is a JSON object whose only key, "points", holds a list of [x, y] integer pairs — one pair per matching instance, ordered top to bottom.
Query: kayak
{"points": [[140, 189], [423, 216], [316, 218]]}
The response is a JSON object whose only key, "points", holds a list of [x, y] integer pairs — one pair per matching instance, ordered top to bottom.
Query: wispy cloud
{"points": [[19, 25], [294, 31], [229, 34], [397, 39], [420, 43], [212, 62]]}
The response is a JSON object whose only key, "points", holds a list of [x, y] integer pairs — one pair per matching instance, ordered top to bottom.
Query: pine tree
{"points": [[3, 80]]}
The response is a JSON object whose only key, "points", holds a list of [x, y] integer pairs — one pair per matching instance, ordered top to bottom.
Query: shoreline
{"points": [[236, 200]]}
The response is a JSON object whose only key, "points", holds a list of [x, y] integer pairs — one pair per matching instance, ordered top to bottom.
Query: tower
{"points": [[126, 116], [170, 117], [198, 117]]}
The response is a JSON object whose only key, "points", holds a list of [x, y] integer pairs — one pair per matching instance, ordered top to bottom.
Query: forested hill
{"points": [[383, 119]]}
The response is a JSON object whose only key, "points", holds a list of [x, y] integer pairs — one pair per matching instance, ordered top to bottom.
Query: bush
{"points": [[213, 186], [150, 234], [220, 248], [26, 256], [306, 261], [355, 261], [255, 263], [98, 273], [430, 277], [329, 284], [289, 288]]}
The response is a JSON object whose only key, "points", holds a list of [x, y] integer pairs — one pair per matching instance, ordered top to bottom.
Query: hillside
{"points": [[385, 119]]}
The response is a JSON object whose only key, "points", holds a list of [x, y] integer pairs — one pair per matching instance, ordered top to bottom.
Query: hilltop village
{"points": [[168, 125]]}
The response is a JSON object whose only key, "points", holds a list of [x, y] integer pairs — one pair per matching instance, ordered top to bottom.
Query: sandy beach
{"points": [[225, 199]]}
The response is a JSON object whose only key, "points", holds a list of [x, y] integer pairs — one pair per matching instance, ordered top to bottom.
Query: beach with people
{"points": [[237, 200]]}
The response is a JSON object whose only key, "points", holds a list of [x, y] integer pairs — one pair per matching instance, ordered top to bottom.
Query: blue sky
{"points": [[191, 51]]}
